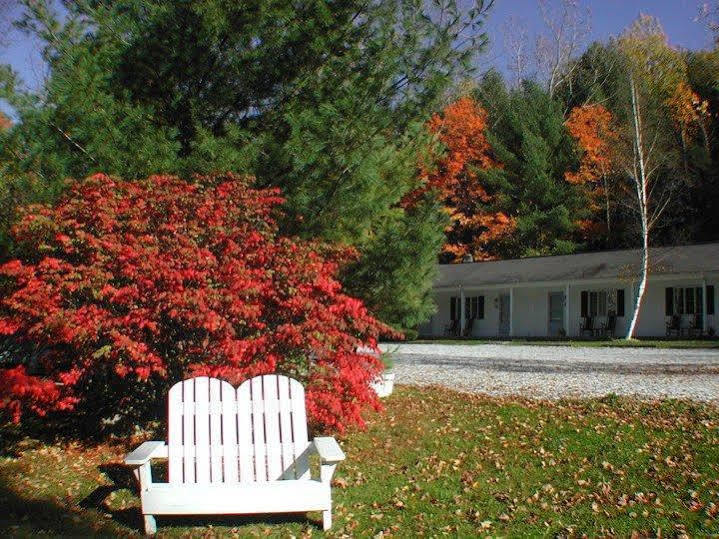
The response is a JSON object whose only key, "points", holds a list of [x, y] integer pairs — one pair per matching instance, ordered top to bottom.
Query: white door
{"points": [[504, 308], [556, 313]]}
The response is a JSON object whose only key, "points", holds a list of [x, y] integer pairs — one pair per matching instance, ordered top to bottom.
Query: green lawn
{"points": [[614, 343], [434, 463]]}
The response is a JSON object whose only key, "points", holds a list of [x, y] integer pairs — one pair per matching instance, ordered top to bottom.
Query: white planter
{"points": [[384, 385]]}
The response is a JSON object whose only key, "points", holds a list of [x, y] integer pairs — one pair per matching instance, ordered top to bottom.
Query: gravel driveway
{"points": [[560, 371]]}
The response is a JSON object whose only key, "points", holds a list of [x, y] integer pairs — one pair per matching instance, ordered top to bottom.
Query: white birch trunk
{"points": [[641, 184], [642, 284]]}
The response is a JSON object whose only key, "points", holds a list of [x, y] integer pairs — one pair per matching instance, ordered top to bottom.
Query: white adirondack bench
{"points": [[236, 452]]}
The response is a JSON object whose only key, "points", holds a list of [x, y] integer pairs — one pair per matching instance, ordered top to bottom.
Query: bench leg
{"points": [[327, 519], [150, 525]]}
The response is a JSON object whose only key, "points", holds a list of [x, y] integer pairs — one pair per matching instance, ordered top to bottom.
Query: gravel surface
{"points": [[551, 372]]}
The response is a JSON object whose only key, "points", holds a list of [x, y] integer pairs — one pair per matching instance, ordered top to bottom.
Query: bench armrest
{"points": [[328, 449], [146, 452]]}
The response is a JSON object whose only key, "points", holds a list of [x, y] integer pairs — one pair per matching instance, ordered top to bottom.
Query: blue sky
{"points": [[607, 18]]}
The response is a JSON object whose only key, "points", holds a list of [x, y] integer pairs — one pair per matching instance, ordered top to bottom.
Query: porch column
{"points": [[704, 307], [461, 310], [511, 311], [566, 311]]}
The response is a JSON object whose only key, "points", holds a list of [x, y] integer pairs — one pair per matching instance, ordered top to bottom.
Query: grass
{"points": [[603, 343], [434, 463]]}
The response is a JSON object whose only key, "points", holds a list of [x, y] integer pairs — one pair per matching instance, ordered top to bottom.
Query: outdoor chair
{"points": [[674, 325], [469, 326], [587, 326], [610, 326], [696, 326], [452, 329], [236, 452]]}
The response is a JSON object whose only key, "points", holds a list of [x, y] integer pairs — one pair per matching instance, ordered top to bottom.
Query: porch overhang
{"points": [[574, 282]]}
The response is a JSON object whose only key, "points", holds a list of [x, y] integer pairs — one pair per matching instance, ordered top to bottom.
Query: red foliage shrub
{"points": [[128, 287]]}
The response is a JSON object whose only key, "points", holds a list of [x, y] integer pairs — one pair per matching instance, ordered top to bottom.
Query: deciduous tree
{"points": [[565, 29], [654, 71], [323, 99], [591, 126], [475, 225], [123, 288]]}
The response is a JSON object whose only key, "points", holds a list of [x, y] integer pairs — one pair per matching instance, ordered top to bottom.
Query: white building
{"points": [[578, 295]]}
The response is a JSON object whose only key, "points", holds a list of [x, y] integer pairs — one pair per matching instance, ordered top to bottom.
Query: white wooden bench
{"points": [[236, 452]]}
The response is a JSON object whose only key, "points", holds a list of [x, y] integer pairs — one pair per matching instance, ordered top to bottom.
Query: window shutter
{"points": [[710, 299], [669, 301], [620, 302], [585, 303], [452, 308], [467, 308], [480, 315]]}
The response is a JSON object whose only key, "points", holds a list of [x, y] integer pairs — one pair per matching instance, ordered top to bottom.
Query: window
{"points": [[679, 300], [687, 300], [602, 302], [594, 303], [556, 307], [473, 308]]}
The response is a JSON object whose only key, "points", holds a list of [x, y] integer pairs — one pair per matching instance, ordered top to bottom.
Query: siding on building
{"points": [[532, 280]]}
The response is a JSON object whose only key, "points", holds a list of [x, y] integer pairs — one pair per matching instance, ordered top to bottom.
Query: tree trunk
{"points": [[641, 183], [605, 186], [642, 285]]}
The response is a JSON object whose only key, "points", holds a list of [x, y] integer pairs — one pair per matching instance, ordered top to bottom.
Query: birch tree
{"points": [[7, 7], [566, 28], [517, 48], [653, 70]]}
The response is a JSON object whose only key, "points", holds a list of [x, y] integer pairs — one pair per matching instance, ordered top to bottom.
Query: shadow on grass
{"points": [[52, 430], [123, 478], [25, 516], [235, 521]]}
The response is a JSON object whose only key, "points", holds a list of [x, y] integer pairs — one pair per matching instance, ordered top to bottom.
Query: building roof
{"points": [[609, 265]]}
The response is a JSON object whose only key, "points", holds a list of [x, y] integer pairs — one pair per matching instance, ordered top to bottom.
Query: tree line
{"points": [[373, 121], [616, 149], [527, 173]]}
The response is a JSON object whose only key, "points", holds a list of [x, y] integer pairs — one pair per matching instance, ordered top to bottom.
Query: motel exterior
{"points": [[582, 295]]}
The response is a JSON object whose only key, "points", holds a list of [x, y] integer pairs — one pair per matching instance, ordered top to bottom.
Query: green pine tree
{"points": [[324, 99], [528, 136]]}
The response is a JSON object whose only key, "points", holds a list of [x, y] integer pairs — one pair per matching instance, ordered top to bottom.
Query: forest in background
{"points": [[373, 120], [547, 165]]}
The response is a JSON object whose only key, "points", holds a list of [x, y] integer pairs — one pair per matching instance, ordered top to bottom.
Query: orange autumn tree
{"points": [[5, 122], [591, 126], [474, 224]]}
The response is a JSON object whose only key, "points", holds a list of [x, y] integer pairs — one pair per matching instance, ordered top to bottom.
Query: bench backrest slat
{"points": [[299, 429], [219, 435]]}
